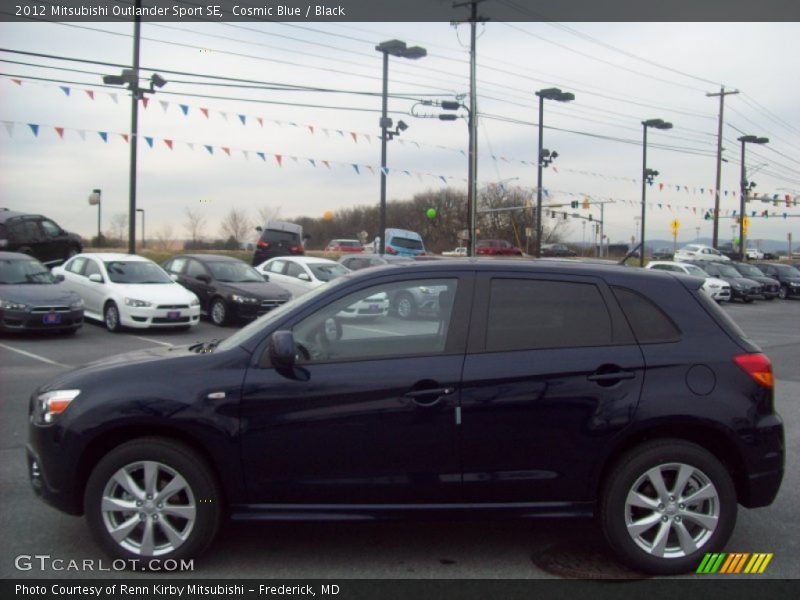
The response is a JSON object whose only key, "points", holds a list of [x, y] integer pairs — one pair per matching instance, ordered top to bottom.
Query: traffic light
{"points": [[574, 204], [707, 216], [590, 218]]}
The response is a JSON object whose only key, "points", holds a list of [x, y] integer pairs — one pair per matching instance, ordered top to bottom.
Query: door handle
{"points": [[612, 377], [433, 396]]}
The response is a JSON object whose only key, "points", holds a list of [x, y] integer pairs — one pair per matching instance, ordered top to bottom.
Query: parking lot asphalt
{"points": [[441, 549]]}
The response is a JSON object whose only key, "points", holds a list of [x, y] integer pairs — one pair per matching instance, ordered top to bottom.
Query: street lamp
{"points": [[399, 49], [130, 77], [545, 159], [648, 175], [744, 187], [95, 198], [144, 237]]}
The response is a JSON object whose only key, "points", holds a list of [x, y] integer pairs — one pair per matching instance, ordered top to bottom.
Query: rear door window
{"points": [[649, 323]]}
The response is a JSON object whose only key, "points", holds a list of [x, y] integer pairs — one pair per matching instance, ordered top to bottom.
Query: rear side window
{"points": [[528, 314], [649, 323]]}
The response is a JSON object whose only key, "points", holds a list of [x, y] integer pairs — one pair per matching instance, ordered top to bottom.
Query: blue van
{"points": [[402, 242]]}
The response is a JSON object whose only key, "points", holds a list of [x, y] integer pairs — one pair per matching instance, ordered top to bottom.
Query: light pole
{"points": [[399, 49], [131, 78], [745, 139], [542, 159], [647, 175], [96, 198], [144, 237]]}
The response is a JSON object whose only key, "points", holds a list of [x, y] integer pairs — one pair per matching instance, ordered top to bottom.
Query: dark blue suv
{"points": [[537, 389]]}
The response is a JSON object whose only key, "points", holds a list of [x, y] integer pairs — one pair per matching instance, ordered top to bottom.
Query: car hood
{"points": [[715, 281], [741, 281], [263, 290], [157, 293], [39, 294]]}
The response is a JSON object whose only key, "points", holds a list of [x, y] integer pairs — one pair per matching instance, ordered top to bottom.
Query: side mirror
{"points": [[259, 229], [173, 276], [265, 276], [58, 277], [96, 277], [304, 277], [203, 278], [282, 350]]}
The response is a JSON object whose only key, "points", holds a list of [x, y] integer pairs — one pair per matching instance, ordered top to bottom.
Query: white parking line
{"points": [[152, 340], [37, 357]]}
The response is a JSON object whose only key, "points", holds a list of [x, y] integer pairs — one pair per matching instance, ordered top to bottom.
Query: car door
{"points": [[55, 241], [203, 288], [94, 293], [552, 372], [369, 414]]}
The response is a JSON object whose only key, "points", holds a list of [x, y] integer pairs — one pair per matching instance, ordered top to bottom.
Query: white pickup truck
{"points": [[460, 251]]}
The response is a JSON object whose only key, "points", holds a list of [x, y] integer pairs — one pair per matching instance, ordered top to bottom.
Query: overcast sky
{"points": [[620, 74]]}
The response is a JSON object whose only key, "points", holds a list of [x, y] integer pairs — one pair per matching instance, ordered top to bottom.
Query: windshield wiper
{"points": [[204, 347]]}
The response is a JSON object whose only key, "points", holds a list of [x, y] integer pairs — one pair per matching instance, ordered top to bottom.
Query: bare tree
{"points": [[268, 213], [194, 224], [236, 225], [119, 228], [165, 240]]}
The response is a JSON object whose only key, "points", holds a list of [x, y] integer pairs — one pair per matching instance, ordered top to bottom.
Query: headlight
{"points": [[794, 284], [714, 286], [243, 299], [194, 302], [137, 303], [77, 304], [8, 305], [52, 404]]}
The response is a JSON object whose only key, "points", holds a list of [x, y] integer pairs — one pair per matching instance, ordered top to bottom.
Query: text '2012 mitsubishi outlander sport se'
{"points": [[536, 388]]}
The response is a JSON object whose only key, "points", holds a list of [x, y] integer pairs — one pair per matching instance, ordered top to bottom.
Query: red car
{"points": [[344, 246], [496, 248]]}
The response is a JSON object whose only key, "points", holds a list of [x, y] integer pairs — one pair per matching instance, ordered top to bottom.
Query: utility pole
{"points": [[722, 93], [472, 169]]}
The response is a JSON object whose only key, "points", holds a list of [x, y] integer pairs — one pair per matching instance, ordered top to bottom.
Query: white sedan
{"points": [[700, 252], [301, 274], [716, 289], [124, 290]]}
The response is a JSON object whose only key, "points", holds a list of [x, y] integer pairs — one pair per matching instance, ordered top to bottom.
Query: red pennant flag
{"points": [[17, 81], [90, 93], [145, 101], [204, 111], [260, 121], [311, 129], [60, 132], [354, 135], [124, 137], [168, 143], [226, 150], [279, 158], [326, 163], [660, 187]]}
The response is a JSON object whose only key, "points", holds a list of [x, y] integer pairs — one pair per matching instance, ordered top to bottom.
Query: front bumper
{"points": [[146, 317], [17, 320]]}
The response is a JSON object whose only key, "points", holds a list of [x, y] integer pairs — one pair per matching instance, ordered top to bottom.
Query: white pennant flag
{"points": [[113, 97], [164, 104], [9, 127], [82, 134]]}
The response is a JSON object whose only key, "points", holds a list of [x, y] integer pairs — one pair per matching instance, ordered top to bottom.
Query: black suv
{"points": [[37, 236], [278, 238], [787, 275], [539, 389]]}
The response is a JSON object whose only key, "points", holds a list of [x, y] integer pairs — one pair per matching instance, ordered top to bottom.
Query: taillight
{"points": [[262, 244], [296, 249], [390, 250], [422, 254], [758, 367]]}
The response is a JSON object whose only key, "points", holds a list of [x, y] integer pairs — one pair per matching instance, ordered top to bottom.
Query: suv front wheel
{"points": [[665, 504]]}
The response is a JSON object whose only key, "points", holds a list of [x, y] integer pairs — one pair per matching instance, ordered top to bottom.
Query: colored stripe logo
{"points": [[734, 563]]}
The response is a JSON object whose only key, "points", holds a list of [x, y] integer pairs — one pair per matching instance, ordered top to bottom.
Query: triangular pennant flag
{"points": [[17, 81], [65, 89], [90, 93], [113, 97], [145, 101], [164, 104], [185, 109], [204, 111], [224, 115], [243, 119], [260, 121], [293, 124], [9, 127], [34, 128], [311, 129], [60, 132], [326, 132], [341, 133], [82, 134], [103, 135], [354, 135], [124, 137], [369, 137], [149, 140], [168, 143], [191, 145], [209, 148], [226, 150], [246, 154], [261, 155], [279, 158], [294, 158], [313, 162], [326, 163], [355, 168], [555, 169], [371, 170], [385, 170], [407, 173], [443, 179], [660, 187]]}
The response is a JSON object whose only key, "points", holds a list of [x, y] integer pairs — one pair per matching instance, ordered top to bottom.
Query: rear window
{"points": [[275, 235], [407, 243], [721, 317], [649, 323]]}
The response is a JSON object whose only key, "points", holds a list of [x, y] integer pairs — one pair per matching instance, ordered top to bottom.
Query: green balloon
{"points": [[431, 213]]}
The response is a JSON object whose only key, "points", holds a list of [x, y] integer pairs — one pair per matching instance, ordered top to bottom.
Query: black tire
{"points": [[783, 293], [747, 300], [405, 306], [218, 312], [111, 317], [631, 473], [203, 494]]}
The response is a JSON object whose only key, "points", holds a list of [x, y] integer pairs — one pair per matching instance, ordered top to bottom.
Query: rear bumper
{"points": [[764, 457]]}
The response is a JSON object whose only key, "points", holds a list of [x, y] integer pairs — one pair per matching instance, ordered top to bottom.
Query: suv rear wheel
{"points": [[152, 498], [665, 504]]}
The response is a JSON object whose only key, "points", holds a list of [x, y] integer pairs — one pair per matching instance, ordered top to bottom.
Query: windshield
{"points": [[407, 243], [750, 270], [121, 271], [696, 271], [728, 271], [787, 271], [14, 272], [234, 272], [325, 272]]}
